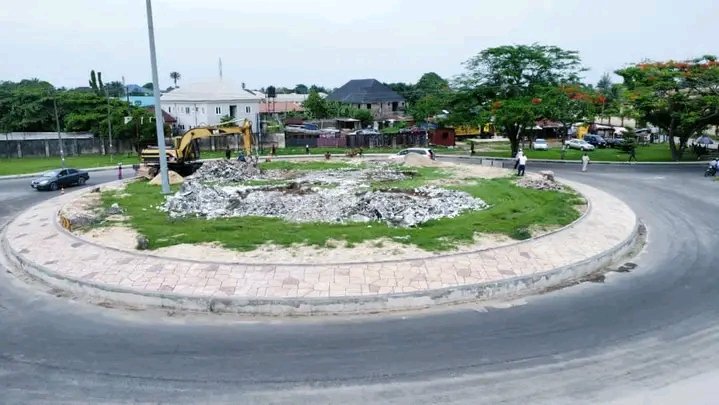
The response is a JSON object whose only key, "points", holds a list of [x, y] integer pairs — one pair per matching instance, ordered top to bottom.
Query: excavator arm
{"points": [[185, 145]]}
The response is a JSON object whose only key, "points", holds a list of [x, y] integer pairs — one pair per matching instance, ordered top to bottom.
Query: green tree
{"points": [[175, 76], [504, 81], [431, 84], [148, 85], [115, 89], [301, 89], [319, 89], [406, 90], [681, 98], [568, 104], [316, 106], [426, 107], [227, 121]]}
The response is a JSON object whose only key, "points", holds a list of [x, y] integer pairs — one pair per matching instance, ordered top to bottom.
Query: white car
{"points": [[540, 144], [579, 144], [429, 153]]}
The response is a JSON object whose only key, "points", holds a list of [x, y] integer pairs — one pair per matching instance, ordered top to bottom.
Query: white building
{"points": [[205, 103]]}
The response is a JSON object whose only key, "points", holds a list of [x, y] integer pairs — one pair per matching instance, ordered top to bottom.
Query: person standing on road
{"points": [[563, 151], [585, 162], [522, 164]]}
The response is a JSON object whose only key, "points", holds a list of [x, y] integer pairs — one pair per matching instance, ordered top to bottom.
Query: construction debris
{"points": [[225, 170], [539, 183], [335, 196], [302, 202]]}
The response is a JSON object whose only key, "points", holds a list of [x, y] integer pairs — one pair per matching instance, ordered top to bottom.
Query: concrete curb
{"points": [[503, 289]]}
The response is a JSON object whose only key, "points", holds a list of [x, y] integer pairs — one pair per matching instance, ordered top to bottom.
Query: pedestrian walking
{"points": [[274, 149], [307, 149], [563, 151], [228, 153], [633, 153], [516, 158], [585, 162], [522, 165]]}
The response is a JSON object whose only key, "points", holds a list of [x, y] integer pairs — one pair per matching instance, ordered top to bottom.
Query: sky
{"points": [[324, 42]]}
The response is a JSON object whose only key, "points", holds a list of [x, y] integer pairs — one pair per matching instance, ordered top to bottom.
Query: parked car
{"points": [[364, 132], [595, 140], [615, 142], [540, 144], [579, 144], [427, 152], [55, 179]]}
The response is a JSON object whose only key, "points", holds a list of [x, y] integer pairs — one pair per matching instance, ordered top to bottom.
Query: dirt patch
{"points": [[173, 177], [121, 237]]}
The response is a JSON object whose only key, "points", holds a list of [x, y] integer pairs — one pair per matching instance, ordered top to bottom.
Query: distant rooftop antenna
{"points": [[220, 67]]}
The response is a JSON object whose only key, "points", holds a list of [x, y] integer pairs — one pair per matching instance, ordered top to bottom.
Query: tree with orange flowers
{"points": [[506, 84], [681, 98]]}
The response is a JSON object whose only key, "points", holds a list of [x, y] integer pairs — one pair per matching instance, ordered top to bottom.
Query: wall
{"points": [[51, 147]]}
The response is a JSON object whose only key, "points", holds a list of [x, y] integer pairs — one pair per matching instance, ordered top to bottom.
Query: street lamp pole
{"points": [[159, 121], [109, 122], [59, 135]]}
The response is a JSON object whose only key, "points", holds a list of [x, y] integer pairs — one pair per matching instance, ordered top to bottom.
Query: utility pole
{"points": [[109, 122], [160, 124], [59, 135]]}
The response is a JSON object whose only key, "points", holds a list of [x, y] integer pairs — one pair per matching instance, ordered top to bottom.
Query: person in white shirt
{"points": [[516, 158], [522, 160], [585, 162]]}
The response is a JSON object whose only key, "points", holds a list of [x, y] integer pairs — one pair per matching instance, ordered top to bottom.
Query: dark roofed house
{"points": [[370, 94]]}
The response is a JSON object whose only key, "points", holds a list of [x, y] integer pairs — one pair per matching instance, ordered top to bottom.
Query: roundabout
{"points": [[38, 243], [633, 333]]}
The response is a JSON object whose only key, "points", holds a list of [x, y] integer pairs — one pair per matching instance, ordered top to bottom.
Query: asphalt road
{"points": [[621, 339]]}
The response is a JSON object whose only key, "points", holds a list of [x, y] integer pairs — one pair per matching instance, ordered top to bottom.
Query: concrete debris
{"points": [[225, 170], [547, 174], [173, 177], [539, 183], [334, 196], [114, 209], [142, 243]]}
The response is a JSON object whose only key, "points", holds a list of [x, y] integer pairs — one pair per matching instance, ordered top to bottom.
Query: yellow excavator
{"points": [[184, 155]]}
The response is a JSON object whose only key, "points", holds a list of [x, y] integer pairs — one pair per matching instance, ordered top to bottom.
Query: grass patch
{"points": [[649, 153], [41, 164], [306, 166], [417, 177], [513, 211]]}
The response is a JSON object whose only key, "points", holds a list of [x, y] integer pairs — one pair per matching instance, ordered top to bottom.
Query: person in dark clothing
{"points": [[274, 150], [228, 153], [633, 154]]}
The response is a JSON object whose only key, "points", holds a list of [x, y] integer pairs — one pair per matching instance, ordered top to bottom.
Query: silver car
{"points": [[579, 144]]}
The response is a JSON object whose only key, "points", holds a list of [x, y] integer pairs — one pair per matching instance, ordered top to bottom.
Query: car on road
{"points": [[595, 140], [540, 144], [579, 144], [427, 152], [60, 178]]}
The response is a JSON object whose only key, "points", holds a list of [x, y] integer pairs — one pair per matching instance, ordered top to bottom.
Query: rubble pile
{"points": [[225, 170], [539, 183], [306, 203]]}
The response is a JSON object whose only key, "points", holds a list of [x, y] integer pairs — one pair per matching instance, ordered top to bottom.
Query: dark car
{"points": [[595, 140], [59, 178]]}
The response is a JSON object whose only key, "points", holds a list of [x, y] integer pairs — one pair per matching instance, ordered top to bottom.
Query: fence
{"points": [[18, 148]]}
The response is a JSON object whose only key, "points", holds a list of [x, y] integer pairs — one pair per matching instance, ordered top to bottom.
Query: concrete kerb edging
{"points": [[568, 161], [573, 224], [502, 289]]}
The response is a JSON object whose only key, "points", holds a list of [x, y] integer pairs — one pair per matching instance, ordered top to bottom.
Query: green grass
{"points": [[649, 153], [41, 164], [307, 166], [416, 178], [514, 210]]}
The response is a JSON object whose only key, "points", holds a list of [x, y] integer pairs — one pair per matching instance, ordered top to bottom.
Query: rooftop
{"points": [[214, 90], [364, 91]]}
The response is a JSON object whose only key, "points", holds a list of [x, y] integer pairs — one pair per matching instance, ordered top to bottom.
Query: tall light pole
{"points": [[159, 121], [109, 122], [59, 134]]}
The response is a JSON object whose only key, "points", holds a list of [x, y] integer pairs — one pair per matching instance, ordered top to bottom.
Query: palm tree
{"points": [[175, 76]]}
